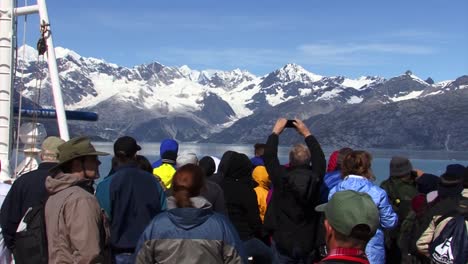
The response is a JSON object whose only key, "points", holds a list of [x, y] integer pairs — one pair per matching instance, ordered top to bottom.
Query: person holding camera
{"points": [[290, 217]]}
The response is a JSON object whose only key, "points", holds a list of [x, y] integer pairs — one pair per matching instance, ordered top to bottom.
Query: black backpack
{"points": [[31, 243], [451, 246]]}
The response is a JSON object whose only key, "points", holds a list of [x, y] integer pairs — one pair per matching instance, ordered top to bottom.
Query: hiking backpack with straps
{"points": [[31, 237], [451, 246]]}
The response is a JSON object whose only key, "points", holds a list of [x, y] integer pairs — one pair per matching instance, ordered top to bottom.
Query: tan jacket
{"points": [[76, 228], [432, 232]]}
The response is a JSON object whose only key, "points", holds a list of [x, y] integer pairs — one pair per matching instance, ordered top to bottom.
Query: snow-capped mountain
{"points": [[153, 101]]}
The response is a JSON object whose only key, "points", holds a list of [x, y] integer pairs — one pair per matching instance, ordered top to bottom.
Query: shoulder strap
{"points": [[444, 216]]}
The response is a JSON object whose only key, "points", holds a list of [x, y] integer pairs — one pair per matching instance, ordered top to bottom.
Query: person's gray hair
{"points": [[49, 148], [299, 155]]}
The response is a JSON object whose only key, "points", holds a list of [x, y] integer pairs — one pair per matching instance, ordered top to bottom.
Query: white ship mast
{"points": [[8, 14]]}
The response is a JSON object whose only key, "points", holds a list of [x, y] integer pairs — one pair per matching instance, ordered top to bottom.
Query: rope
{"points": [[37, 89], [20, 104]]}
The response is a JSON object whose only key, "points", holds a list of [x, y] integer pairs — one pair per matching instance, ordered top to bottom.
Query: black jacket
{"points": [[27, 191], [215, 195], [241, 200], [291, 216]]}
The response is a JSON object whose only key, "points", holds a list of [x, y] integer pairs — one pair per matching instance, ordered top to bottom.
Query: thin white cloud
{"points": [[156, 21], [417, 33], [346, 49], [308, 54], [232, 57], [247, 58]]}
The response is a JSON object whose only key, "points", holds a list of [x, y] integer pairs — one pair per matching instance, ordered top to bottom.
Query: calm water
{"points": [[429, 161]]}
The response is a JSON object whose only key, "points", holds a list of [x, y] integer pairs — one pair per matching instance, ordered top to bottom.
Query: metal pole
{"points": [[26, 10], [54, 76], [6, 94]]}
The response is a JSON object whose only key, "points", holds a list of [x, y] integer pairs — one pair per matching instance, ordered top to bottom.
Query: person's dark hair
{"points": [[259, 149], [341, 155], [123, 157], [358, 162], [144, 164], [208, 165], [67, 167], [186, 183], [359, 237]]}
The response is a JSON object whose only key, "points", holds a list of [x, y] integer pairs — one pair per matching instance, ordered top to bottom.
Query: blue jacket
{"points": [[166, 145], [257, 161], [330, 180], [102, 195], [136, 197], [190, 235], [375, 249]]}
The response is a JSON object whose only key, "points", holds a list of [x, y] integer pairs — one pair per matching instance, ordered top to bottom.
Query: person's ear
{"points": [[327, 225], [329, 233]]}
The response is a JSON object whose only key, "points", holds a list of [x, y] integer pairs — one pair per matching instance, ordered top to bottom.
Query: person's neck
{"points": [[333, 244]]}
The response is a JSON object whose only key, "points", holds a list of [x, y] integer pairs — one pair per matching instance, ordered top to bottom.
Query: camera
{"points": [[290, 123]]}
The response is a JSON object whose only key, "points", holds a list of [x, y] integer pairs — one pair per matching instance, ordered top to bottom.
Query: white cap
{"points": [[186, 158]]}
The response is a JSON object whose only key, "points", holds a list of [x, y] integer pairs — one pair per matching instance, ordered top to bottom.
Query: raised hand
{"points": [[279, 126], [302, 128]]}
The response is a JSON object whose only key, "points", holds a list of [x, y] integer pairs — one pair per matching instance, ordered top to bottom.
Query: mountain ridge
{"points": [[205, 105]]}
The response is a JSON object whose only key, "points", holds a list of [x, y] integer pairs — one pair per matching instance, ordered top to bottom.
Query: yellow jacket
{"points": [[165, 172], [260, 175]]}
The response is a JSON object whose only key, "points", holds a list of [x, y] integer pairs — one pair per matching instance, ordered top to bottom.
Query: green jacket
{"points": [[400, 193]]}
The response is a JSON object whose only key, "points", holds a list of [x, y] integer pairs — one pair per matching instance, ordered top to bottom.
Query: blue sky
{"points": [[332, 37]]}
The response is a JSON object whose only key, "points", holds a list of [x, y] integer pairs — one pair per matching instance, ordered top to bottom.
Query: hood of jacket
{"points": [[168, 145], [208, 165], [223, 166], [238, 167], [260, 175], [62, 181], [356, 183], [188, 218]]}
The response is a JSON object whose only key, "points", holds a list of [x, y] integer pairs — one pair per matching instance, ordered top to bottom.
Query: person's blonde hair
{"points": [[299, 155]]}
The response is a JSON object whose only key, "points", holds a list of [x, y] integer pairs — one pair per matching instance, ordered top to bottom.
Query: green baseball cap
{"points": [[76, 148], [347, 209]]}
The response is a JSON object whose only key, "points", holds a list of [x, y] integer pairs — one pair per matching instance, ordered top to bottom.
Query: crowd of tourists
{"points": [[184, 208]]}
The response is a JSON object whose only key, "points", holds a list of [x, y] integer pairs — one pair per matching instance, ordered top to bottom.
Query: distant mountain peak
{"points": [[64, 52], [27, 53], [295, 72]]}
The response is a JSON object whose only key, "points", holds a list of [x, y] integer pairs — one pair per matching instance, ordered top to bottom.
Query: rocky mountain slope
{"points": [[153, 101]]}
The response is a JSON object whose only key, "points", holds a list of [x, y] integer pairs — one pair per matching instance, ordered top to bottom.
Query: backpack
{"points": [[400, 195], [31, 237], [451, 246]]}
